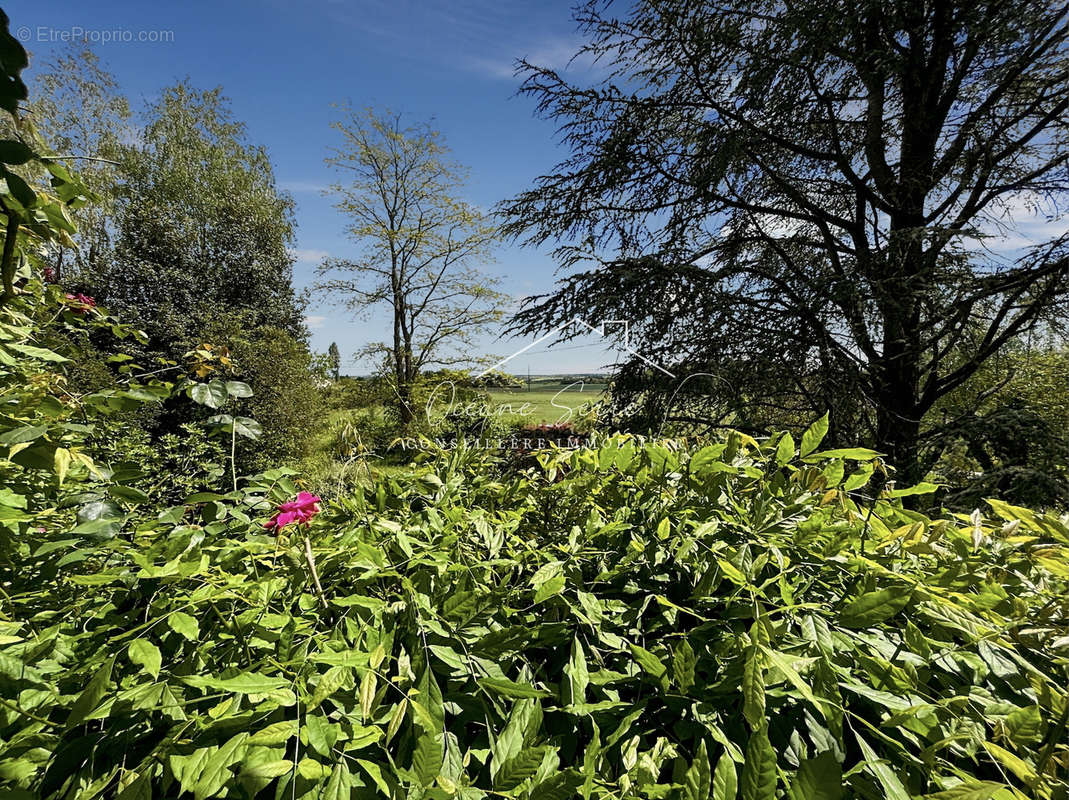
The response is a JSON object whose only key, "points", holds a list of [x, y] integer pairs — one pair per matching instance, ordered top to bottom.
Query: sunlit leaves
{"points": [[813, 436], [873, 607], [184, 624], [146, 655], [765, 657], [725, 779], [758, 781], [697, 782]]}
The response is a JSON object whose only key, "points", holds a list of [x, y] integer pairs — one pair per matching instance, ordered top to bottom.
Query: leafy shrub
{"points": [[286, 400], [168, 468], [628, 621]]}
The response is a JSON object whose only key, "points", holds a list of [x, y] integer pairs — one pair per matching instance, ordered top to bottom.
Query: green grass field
{"points": [[559, 403]]}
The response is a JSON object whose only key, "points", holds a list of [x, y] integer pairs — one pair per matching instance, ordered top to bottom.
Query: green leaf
{"points": [[14, 152], [20, 190], [40, 353], [238, 389], [212, 394], [248, 427], [27, 433], [813, 436], [785, 449], [853, 453], [859, 478], [920, 488], [550, 588], [875, 607], [184, 624], [146, 655], [648, 661], [780, 662], [683, 663], [577, 675], [329, 682], [245, 683], [507, 688], [753, 689], [91, 695], [1025, 725], [276, 733], [320, 733], [427, 758], [1018, 766], [519, 768], [188, 769], [312, 770], [216, 771], [759, 771], [261, 773], [818, 778], [725, 780], [697, 781], [892, 785], [559, 786], [339, 787], [973, 790]]}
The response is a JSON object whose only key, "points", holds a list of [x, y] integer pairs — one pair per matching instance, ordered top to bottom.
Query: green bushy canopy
{"points": [[632, 620]]}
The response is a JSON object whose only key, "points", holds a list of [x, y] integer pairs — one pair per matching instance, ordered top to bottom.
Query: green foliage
{"points": [[78, 109], [784, 198], [202, 227], [189, 236], [422, 247], [286, 401], [1007, 431], [170, 467], [637, 620]]}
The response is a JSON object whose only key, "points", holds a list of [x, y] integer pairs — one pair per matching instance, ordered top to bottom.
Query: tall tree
{"points": [[81, 112], [793, 198], [202, 228], [422, 245], [334, 360]]}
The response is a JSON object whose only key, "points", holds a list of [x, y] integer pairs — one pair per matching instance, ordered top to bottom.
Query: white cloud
{"points": [[557, 54], [1018, 222], [309, 256], [314, 321]]}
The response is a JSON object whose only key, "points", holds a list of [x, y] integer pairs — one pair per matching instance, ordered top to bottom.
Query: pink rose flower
{"points": [[300, 511]]}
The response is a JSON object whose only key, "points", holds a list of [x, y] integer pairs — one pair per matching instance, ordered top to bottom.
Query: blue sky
{"points": [[283, 64]]}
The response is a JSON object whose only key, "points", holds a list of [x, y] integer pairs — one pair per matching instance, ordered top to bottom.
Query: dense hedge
{"points": [[626, 621]]}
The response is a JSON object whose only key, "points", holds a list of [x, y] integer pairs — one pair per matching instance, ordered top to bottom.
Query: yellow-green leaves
{"points": [[813, 436], [785, 449], [874, 607], [184, 624], [146, 655], [683, 662], [651, 664], [577, 676], [243, 683], [510, 688], [753, 688], [759, 772], [725, 779], [698, 780]]}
